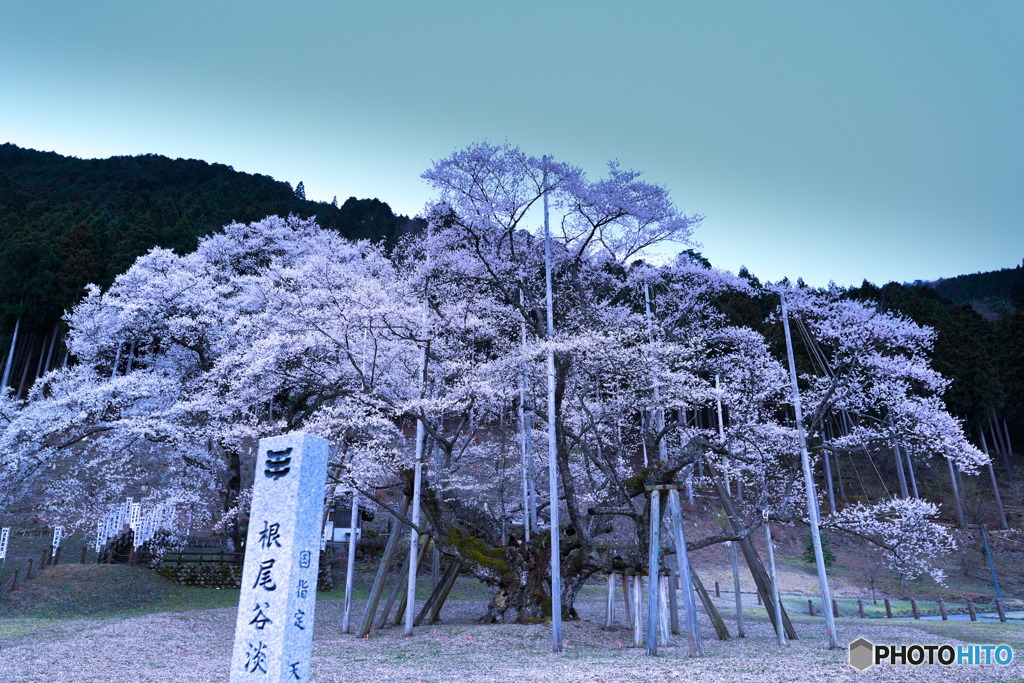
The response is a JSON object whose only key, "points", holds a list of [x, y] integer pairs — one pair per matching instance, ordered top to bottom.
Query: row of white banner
{"points": [[130, 513], [5, 537]]}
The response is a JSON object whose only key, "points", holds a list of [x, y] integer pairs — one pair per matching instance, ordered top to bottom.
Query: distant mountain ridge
{"points": [[989, 292]]}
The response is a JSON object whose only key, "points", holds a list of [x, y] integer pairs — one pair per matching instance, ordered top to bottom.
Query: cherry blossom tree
{"points": [[185, 361]]}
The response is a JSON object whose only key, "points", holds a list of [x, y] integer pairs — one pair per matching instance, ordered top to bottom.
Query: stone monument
{"points": [[274, 628]]}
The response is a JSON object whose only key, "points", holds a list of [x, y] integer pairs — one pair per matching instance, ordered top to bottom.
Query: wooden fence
{"points": [[220, 558], [46, 559], [814, 607]]}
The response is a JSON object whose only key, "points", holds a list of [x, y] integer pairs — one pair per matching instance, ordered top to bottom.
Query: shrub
{"points": [[826, 552]]}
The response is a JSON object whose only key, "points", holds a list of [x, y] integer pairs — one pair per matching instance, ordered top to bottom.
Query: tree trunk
{"points": [[232, 490]]}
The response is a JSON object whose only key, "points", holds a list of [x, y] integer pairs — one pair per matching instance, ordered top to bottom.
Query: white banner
{"points": [[136, 516], [58, 534], [5, 535]]}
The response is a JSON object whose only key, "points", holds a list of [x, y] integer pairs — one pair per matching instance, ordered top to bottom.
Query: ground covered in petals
{"points": [[195, 645]]}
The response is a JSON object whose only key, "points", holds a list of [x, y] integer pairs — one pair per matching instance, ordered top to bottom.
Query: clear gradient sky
{"points": [[830, 140]]}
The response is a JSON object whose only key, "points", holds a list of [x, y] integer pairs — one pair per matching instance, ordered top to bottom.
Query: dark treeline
{"points": [[68, 222]]}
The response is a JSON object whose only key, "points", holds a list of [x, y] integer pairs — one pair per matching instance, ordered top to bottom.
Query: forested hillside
{"points": [[67, 222], [990, 292], [982, 356]]}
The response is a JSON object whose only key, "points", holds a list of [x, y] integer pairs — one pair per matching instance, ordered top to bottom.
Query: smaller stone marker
{"points": [[888, 609], [942, 609], [274, 628]]}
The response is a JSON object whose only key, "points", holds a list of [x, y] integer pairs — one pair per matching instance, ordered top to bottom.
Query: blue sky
{"points": [[833, 141]]}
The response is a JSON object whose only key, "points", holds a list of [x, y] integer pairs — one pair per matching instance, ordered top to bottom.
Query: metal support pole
{"points": [[812, 499], [556, 553], [350, 570], [736, 589], [609, 611], [638, 623]]}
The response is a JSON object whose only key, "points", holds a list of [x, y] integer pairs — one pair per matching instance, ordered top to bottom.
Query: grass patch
{"points": [[94, 591]]}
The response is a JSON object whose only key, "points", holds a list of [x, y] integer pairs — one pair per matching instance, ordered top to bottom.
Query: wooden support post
{"points": [[1000, 445], [900, 472], [828, 483], [995, 485], [956, 494], [653, 555], [131, 556], [56, 557], [420, 557], [81, 559], [683, 564], [28, 570], [757, 570], [382, 572], [399, 584], [446, 588], [718, 591], [626, 601], [759, 601], [673, 603], [776, 606], [810, 606], [835, 608], [860, 608], [913, 608], [662, 609], [888, 609], [942, 609], [999, 609], [425, 610], [972, 611], [716, 619]]}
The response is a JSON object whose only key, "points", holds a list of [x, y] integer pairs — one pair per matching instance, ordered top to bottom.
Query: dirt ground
{"points": [[196, 646]]}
